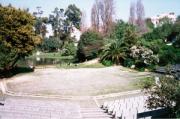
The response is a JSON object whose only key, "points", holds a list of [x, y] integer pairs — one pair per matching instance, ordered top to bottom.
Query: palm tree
{"points": [[114, 52]]}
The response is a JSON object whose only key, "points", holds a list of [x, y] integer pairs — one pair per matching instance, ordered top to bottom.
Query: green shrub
{"points": [[161, 32], [177, 42], [51, 44], [155, 45], [89, 46], [69, 49], [118, 49], [114, 52], [169, 55], [6, 56], [143, 57], [107, 62], [128, 62], [165, 94]]}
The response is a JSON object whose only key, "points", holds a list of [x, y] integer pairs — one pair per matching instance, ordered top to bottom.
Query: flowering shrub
{"points": [[143, 56]]}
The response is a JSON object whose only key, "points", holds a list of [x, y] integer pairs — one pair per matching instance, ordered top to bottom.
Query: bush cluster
{"points": [[89, 46]]}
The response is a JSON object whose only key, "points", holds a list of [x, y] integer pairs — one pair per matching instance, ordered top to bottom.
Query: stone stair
{"points": [[23, 108], [39, 109], [94, 113]]}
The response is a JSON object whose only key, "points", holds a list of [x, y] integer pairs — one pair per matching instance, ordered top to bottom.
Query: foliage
{"points": [[102, 13], [73, 15], [178, 18], [57, 20], [63, 21], [149, 24], [40, 26], [119, 30], [161, 32], [16, 34], [125, 37], [177, 42], [51, 44], [154, 45], [89, 46], [69, 49], [114, 52], [169, 55], [6, 56], [143, 57], [107, 62], [129, 62], [147, 83], [164, 94]]}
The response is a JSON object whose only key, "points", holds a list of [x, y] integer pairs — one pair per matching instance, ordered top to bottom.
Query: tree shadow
{"points": [[15, 71]]}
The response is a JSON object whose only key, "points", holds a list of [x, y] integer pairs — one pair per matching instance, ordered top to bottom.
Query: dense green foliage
{"points": [[73, 15], [149, 24], [40, 26], [161, 32], [17, 36], [123, 38], [176, 43], [51, 44], [89, 46], [69, 49], [146, 51], [169, 55], [164, 93]]}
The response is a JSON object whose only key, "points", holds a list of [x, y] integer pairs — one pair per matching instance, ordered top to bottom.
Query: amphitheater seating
{"points": [[128, 108]]}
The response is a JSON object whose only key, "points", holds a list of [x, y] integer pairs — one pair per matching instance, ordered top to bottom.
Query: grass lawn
{"points": [[51, 55], [76, 66]]}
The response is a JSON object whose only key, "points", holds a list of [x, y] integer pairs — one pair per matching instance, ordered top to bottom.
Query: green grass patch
{"points": [[56, 55], [76, 66], [145, 82]]}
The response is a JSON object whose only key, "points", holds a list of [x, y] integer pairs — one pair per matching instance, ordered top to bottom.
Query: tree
{"points": [[106, 13], [73, 15], [102, 15], [95, 16], [132, 17], [57, 20], [140, 22], [40, 23], [149, 23], [83, 25], [161, 32], [16, 35], [123, 38], [177, 42], [51, 44], [89, 46], [69, 49], [114, 52], [143, 57], [165, 94]]}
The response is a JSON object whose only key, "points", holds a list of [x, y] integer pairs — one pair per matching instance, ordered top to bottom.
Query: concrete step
{"points": [[39, 109], [94, 113]]}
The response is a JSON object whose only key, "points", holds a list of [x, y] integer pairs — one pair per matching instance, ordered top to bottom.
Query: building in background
{"points": [[156, 20], [75, 33]]}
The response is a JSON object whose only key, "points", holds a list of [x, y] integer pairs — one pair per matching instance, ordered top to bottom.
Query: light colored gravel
{"points": [[75, 82]]}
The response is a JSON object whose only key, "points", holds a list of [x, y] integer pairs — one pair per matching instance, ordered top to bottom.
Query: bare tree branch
{"points": [[132, 17]]}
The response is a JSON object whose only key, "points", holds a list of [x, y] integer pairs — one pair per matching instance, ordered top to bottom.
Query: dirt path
{"points": [[75, 82]]}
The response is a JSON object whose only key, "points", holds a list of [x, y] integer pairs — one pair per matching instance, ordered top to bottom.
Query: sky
{"points": [[152, 7]]}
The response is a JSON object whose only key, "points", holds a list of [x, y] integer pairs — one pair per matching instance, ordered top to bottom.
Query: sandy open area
{"points": [[75, 82]]}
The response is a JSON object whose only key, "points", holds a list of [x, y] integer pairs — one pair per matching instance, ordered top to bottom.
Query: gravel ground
{"points": [[75, 82]]}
